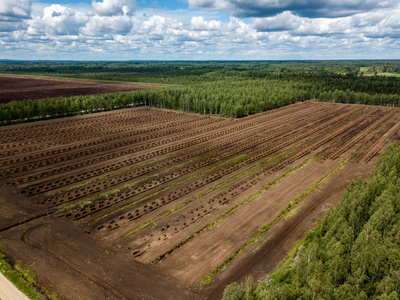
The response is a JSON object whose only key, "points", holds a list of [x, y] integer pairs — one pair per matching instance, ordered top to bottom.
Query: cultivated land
{"points": [[25, 87], [145, 203]]}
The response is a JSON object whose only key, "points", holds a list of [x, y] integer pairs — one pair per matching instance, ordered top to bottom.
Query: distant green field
{"points": [[364, 69], [384, 74], [389, 74]]}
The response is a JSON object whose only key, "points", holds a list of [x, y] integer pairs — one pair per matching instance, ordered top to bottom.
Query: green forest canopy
{"points": [[228, 89]]}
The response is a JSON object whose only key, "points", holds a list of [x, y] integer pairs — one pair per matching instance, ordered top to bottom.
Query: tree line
{"points": [[227, 89], [230, 97]]}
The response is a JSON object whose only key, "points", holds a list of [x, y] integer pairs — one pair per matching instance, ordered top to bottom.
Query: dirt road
{"points": [[8, 291]]}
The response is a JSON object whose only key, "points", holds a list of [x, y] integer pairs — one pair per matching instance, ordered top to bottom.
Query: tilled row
{"points": [[132, 117], [74, 122], [208, 133], [360, 135], [91, 137], [381, 142], [108, 143], [283, 143], [99, 158], [120, 178], [114, 199], [140, 211], [167, 230]]}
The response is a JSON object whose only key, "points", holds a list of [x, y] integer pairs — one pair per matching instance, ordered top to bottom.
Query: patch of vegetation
{"points": [[25, 280]]}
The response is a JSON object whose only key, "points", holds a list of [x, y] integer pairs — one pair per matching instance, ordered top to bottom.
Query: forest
{"points": [[227, 89], [353, 254]]}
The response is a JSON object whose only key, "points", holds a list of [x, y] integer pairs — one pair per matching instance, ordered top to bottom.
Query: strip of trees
{"points": [[228, 89]]}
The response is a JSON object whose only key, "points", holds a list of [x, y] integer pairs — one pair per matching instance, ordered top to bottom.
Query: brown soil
{"points": [[31, 88], [90, 202]]}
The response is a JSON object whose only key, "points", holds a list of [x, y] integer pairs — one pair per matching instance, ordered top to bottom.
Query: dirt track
{"points": [[30, 88], [173, 195], [8, 291]]}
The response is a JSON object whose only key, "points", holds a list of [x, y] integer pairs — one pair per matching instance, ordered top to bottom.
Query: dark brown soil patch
{"points": [[30, 88]]}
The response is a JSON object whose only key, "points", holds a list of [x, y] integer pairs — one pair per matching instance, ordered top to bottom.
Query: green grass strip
{"points": [[216, 222], [265, 228]]}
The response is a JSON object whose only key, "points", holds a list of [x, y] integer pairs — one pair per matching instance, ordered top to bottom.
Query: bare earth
{"points": [[30, 88], [147, 203]]}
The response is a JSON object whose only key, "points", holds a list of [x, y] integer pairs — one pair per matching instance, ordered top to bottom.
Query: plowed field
{"points": [[30, 88], [146, 203]]}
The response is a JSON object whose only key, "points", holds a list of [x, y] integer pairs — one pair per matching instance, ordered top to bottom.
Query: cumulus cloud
{"points": [[114, 7], [304, 8], [12, 10], [13, 13], [57, 20], [282, 22], [198, 23], [374, 24], [100, 25], [11, 26], [238, 26], [157, 27], [287, 31]]}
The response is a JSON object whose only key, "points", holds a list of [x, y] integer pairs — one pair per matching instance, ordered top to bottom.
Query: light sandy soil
{"points": [[8, 291]]}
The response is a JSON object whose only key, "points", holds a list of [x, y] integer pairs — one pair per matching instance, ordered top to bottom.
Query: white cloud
{"points": [[213, 4], [114, 7], [304, 8], [15, 9], [13, 13], [57, 20], [281, 22], [198, 23], [378, 24], [11, 26], [100, 26], [238, 26], [156, 27], [112, 32]]}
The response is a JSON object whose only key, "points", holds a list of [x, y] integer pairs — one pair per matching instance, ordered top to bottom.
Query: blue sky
{"points": [[199, 29]]}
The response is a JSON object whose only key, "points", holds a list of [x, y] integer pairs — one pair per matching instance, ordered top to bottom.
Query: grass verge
{"points": [[24, 280]]}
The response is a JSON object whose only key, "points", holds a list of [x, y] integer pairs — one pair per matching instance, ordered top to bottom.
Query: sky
{"points": [[199, 29]]}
